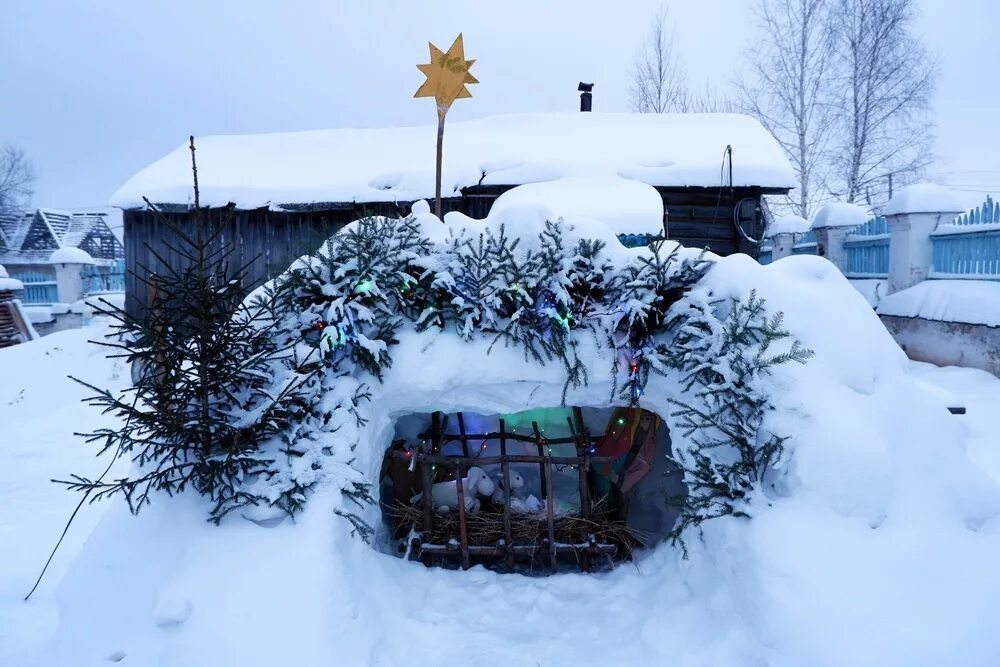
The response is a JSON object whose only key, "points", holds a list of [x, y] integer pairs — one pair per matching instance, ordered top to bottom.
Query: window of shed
{"points": [[536, 491]]}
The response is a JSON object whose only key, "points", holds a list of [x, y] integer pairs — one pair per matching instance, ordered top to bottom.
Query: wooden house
{"points": [[278, 196], [29, 240]]}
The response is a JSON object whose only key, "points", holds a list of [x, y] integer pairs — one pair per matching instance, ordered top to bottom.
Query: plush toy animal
{"points": [[516, 482], [444, 495]]}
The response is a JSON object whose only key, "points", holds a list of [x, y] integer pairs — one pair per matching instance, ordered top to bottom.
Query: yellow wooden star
{"points": [[447, 74]]}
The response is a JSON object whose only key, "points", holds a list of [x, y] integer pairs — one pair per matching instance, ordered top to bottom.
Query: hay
{"points": [[486, 527]]}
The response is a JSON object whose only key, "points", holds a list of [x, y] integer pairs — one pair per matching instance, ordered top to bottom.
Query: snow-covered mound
{"points": [[394, 164], [924, 198], [626, 206], [877, 547]]}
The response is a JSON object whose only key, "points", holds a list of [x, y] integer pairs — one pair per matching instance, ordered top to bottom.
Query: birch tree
{"points": [[790, 63], [886, 80], [659, 84], [17, 178]]}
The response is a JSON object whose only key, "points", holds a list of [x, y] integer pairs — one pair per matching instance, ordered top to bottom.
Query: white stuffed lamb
{"points": [[516, 482], [444, 495]]}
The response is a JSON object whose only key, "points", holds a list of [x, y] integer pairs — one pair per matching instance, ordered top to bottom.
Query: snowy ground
{"points": [[40, 409], [912, 593]]}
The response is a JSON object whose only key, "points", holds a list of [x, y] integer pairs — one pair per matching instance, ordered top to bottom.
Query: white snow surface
{"points": [[397, 164], [924, 198], [626, 206], [840, 214], [788, 224], [70, 255], [3, 272], [11, 284], [966, 301], [877, 547]]}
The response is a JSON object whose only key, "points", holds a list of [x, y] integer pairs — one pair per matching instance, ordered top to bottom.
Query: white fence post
{"points": [[912, 215], [831, 225], [781, 245]]}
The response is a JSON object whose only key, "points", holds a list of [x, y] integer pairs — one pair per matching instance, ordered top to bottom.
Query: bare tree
{"points": [[658, 79], [792, 80], [887, 80], [710, 100], [17, 178]]}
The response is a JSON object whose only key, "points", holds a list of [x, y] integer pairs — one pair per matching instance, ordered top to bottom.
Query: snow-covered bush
{"points": [[543, 294], [255, 403]]}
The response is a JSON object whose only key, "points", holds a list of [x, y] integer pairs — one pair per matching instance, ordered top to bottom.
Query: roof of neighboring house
{"points": [[397, 164], [32, 237]]}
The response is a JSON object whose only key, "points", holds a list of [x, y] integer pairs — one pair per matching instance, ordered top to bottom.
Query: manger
{"points": [[534, 492]]}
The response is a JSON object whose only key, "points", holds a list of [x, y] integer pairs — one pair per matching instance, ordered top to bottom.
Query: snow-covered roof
{"points": [[397, 164], [924, 198], [840, 214], [788, 224], [31, 237], [70, 255]]}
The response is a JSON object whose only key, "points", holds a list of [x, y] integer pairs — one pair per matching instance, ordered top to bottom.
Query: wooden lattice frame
{"points": [[426, 456]]}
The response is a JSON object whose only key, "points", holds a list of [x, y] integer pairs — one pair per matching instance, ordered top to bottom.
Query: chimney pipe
{"points": [[586, 97]]}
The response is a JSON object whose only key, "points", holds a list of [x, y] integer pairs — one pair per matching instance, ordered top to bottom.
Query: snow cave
{"points": [[535, 491]]}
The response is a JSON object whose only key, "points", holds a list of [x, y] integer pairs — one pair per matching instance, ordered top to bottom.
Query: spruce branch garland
{"points": [[335, 316]]}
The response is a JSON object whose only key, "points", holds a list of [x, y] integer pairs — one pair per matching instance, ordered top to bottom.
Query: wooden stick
{"points": [[437, 166], [435, 432], [451, 437], [464, 439], [440, 459], [505, 467], [426, 483], [542, 486], [584, 491], [585, 496], [550, 510], [463, 535], [518, 550]]}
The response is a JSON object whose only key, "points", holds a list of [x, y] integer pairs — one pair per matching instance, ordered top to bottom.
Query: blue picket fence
{"points": [[986, 214], [806, 245], [969, 247], [867, 250], [765, 254], [967, 255], [98, 279], [39, 287]]}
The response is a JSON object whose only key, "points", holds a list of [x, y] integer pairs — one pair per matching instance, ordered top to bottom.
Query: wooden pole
{"points": [[437, 168], [461, 431], [505, 467], [426, 482], [543, 486], [584, 490], [550, 511], [463, 534]]}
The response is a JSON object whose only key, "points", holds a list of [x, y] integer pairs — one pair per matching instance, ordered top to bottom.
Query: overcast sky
{"points": [[94, 90]]}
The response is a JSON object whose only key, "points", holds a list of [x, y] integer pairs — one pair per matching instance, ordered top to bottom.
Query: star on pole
{"points": [[447, 75]]}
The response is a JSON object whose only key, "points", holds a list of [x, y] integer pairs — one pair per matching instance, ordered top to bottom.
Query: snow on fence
{"points": [[806, 245], [969, 247], [867, 250], [766, 254], [39, 287]]}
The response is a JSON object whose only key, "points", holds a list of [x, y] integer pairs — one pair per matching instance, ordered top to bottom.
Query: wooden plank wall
{"points": [[268, 241]]}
